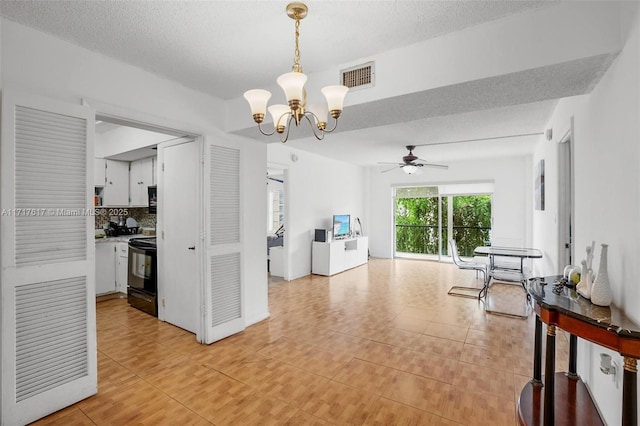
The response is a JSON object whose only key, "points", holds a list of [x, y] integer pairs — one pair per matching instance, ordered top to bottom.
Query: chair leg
{"points": [[481, 291]]}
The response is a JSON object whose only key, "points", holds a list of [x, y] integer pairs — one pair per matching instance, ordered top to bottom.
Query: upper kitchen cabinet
{"points": [[99, 171], [141, 176], [116, 184]]}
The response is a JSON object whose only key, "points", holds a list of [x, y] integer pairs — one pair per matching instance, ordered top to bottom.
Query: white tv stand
{"points": [[339, 255]]}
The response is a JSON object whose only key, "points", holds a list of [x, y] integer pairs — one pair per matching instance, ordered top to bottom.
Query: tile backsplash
{"points": [[140, 214]]}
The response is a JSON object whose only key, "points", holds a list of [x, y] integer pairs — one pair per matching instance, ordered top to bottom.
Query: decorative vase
{"points": [[584, 286], [601, 290]]}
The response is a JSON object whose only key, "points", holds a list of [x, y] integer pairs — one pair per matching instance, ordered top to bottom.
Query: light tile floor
{"points": [[382, 344]]}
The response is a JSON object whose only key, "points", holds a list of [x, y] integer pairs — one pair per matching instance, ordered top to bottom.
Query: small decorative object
{"points": [[590, 250], [571, 275], [584, 286], [601, 289]]}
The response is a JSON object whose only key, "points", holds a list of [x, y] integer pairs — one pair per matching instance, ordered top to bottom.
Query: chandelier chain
{"points": [[296, 58]]}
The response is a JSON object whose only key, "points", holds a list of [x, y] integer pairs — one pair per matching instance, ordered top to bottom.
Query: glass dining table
{"points": [[497, 256], [507, 264]]}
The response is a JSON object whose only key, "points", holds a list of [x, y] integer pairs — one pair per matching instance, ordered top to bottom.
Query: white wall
{"points": [[35, 62], [124, 139], [316, 189], [607, 192], [512, 198]]}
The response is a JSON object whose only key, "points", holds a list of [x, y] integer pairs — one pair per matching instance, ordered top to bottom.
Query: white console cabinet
{"points": [[339, 255]]}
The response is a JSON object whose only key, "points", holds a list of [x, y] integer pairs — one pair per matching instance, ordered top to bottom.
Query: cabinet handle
{"points": [[192, 248]]}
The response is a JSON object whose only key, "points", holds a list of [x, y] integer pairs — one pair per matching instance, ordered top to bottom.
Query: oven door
{"points": [[142, 269]]}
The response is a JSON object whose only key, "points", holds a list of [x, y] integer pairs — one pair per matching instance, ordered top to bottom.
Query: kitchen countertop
{"points": [[122, 238]]}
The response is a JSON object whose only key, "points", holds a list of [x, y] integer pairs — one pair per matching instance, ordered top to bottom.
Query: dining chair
{"points": [[478, 266]]}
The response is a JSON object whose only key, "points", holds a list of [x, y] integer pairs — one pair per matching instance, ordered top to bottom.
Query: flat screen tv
{"points": [[341, 225]]}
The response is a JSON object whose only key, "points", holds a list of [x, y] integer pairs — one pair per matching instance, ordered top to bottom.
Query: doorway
{"points": [[176, 153], [565, 199], [276, 222]]}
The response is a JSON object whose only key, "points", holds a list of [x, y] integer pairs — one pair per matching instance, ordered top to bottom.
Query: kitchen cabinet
{"points": [[99, 171], [140, 178], [114, 189], [122, 266], [105, 267]]}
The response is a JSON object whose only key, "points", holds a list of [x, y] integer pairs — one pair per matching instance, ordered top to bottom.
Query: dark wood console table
{"points": [[569, 402]]}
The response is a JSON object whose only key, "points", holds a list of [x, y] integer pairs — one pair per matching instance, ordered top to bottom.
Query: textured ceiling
{"points": [[217, 46], [225, 47]]}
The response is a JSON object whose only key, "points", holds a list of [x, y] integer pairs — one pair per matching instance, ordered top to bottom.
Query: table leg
{"points": [[537, 355], [573, 355], [549, 373], [629, 393]]}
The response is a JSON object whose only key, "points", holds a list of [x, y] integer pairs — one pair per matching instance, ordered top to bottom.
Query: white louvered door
{"points": [[223, 293], [48, 342]]}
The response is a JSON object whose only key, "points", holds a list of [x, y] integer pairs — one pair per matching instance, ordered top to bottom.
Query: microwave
{"points": [[153, 198]]}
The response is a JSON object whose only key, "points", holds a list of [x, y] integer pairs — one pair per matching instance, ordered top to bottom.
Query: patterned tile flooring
{"points": [[382, 344]]}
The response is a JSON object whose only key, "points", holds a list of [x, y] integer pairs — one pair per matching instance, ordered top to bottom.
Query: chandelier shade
{"points": [[292, 83], [335, 96], [257, 99], [279, 114]]}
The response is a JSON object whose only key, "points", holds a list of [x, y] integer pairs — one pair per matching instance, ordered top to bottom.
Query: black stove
{"points": [[142, 282]]}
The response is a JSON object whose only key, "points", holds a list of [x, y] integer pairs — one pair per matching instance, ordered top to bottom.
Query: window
{"points": [[425, 217]]}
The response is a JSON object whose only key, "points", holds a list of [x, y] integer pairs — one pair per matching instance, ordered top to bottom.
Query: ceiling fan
{"points": [[411, 164]]}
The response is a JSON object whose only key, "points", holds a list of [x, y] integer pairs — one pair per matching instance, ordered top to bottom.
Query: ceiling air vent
{"points": [[359, 77]]}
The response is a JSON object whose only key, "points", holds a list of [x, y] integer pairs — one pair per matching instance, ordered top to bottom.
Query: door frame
{"points": [[182, 132], [566, 191], [287, 205]]}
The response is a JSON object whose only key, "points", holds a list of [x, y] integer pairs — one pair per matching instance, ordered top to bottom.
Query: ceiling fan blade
{"points": [[425, 163], [397, 164], [433, 166], [388, 170]]}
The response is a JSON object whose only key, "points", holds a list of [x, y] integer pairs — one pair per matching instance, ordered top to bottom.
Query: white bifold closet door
{"points": [[47, 280], [223, 293]]}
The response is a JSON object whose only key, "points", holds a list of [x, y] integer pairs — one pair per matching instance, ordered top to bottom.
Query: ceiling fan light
{"points": [[293, 85], [335, 96], [257, 99], [280, 114], [410, 169]]}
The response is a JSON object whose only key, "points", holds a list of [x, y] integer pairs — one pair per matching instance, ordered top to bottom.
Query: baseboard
{"points": [[254, 319]]}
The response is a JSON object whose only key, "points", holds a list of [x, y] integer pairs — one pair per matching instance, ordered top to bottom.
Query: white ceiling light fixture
{"points": [[293, 85], [410, 169]]}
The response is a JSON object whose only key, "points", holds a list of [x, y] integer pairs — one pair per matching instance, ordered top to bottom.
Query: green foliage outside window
{"points": [[417, 224]]}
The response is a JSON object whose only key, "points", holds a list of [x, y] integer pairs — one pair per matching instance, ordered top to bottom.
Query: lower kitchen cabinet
{"points": [[112, 263], [122, 265], [105, 267]]}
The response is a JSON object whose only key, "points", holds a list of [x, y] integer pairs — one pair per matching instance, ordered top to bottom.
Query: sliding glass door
{"points": [[426, 217], [470, 222]]}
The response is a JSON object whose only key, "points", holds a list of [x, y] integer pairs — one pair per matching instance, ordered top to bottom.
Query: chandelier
{"points": [[293, 85]]}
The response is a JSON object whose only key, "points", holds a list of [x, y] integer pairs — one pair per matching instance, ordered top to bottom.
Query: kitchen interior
{"points": [[125, 182]]}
